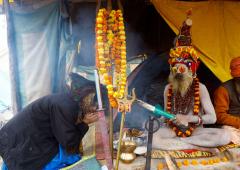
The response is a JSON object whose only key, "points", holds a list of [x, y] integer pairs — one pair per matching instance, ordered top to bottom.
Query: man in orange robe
{"points": [[227, 98]]}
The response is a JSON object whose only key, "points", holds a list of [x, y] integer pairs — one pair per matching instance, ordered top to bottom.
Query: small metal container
{"points": [[127, 151], [127, 157]]}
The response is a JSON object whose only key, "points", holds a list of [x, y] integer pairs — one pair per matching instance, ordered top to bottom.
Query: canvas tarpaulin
{"points": [[215, 30], [38, 48]]}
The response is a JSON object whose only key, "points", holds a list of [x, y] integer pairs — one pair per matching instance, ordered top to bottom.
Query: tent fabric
{"points": [[215, 30], [40, 43], [5, 90]]}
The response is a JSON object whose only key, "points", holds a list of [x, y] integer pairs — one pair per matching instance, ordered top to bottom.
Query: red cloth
{"points": [[235, 67]]}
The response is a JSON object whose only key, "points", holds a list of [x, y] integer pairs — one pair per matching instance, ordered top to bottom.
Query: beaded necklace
{"points": [[182, 105]]}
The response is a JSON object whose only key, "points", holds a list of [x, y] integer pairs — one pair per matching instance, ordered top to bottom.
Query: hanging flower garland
{"points": [[111, 53], [196, 106]]}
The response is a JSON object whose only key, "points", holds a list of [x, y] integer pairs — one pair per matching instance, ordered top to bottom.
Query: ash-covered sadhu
{"points": [[188, 99]]}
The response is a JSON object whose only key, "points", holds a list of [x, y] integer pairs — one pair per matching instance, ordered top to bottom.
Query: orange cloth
{"points": [[235, 67], [221, 103]]}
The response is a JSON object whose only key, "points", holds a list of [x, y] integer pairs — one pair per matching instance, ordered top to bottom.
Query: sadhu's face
{"points": [[180, 72], [181, 78]]}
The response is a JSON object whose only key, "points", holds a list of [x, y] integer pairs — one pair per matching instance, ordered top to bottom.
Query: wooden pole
{"points": [[109, 5], [120, 5], [98, 6], [111, 130], [120, 139]]}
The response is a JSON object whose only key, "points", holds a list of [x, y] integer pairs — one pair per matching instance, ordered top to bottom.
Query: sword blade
{"points": [[98, 91]]}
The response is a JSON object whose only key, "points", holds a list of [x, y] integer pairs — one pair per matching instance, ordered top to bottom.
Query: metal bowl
{"points": [[139, 140], [128, 146], [140, 150], [127, 157]]}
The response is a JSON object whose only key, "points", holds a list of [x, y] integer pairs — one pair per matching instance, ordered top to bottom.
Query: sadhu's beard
{"points": [[180, 82]]}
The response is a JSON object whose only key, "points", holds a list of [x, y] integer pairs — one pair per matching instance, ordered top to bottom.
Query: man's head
{"points": [[183, 59], [235, 67], [83, 92], [86, 100], [88, 107]]}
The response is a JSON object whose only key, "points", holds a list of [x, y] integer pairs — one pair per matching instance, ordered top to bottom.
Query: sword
{"points": [[98, 91], [103, 124]]}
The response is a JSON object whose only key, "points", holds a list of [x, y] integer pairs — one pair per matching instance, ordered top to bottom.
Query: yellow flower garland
{"points": [[111, 53]]}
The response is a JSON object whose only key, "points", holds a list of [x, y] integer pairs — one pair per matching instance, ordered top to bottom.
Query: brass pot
{"points": [[128, 146], [127, 149], [127, 157]]}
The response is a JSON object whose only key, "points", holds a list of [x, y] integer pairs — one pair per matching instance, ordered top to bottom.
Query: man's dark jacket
{"points": [[30, 139]]}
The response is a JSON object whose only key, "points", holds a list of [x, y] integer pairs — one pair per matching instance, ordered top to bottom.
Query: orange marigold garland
{"points": [[111, 52], [196, 106]]}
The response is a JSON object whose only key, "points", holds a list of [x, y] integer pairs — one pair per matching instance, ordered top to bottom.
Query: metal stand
{"points": [[151, 130]]}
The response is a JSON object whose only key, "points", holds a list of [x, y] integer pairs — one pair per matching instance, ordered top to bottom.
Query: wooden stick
{"points": [[98, 5], [109, 5], [120, 5], [111, 130], [120, 140]]}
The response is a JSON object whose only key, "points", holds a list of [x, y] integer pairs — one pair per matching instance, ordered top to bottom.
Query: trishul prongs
{"points": [[125, 104]]}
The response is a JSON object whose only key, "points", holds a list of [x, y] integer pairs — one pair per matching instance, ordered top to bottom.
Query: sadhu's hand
{"points": [[90, 117], [182, 119]]}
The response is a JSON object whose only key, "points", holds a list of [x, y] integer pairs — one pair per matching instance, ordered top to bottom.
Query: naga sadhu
{"points": [[189, 100]]}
